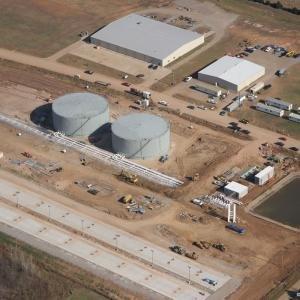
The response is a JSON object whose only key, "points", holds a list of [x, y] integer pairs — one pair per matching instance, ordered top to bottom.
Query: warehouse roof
{"points": [[146, 36], [232, 69], [79, 105], [137, 126], [236, 187]]}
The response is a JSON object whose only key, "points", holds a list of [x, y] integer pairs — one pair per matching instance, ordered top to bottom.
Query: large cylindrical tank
{"points": [[79, 114], [141, 136]]}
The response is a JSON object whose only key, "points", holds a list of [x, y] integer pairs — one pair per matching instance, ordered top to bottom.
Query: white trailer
{"points": [[257, 87], [208, 90], [279, 103], [232, 106], [270, 109], [294, 117], [264, 176]]}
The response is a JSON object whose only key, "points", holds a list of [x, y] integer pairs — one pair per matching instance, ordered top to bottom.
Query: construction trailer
{"points": [[257, 87], [208, 89], [279, 103], [232, 106], [270, 109], [294, 117], [264, 175], [235, 190]]}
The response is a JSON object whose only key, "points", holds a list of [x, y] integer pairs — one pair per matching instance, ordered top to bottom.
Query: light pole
{"points": [[49, 207], [116, 239], [152, 251], [189, 274]]}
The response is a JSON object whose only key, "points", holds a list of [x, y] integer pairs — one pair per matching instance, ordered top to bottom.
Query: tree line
{"points": [[278, 5]]}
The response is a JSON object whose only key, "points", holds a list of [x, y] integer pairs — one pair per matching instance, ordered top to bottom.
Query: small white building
{"points": [[208, 89], [279, 103], [269, 109], [294, 117], [264, 176], [235, 190]]}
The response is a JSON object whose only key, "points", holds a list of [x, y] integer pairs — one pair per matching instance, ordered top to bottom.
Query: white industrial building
{"points": [[146, 39], [231, 73], [208, 89], [279, 103], [270, 109], [294, 117], [264, 176], [235, 190]]}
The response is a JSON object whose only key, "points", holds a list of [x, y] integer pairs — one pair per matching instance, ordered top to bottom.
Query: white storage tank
{"points": [[79, 114], [141, 136], [264, 176]]}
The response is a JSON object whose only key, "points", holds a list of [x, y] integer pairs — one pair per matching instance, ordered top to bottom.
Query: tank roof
{"points": [[79, 105], [137, 126]]}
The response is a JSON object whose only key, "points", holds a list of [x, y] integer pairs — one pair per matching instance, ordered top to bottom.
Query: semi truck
{"points": [[144, 94]]}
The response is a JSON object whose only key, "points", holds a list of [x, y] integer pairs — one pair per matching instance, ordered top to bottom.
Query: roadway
{"points": [[100, 257], [161, 259]]}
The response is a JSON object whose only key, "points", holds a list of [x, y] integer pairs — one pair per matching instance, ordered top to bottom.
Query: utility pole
{"points": [[152, 257], [189, 274]]}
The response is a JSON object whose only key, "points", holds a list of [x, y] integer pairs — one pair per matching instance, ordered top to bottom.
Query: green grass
{"points": [[259, 13], [43, 27], [76, 61]]}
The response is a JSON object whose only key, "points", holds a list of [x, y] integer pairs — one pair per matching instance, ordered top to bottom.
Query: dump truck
{"points": [[144, 94], [130, 178], [126, 199], [178, 249], [191, 255]]}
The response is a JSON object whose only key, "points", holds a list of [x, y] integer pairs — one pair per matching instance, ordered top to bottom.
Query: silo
{"points": [[79, 114], [141, 136]]}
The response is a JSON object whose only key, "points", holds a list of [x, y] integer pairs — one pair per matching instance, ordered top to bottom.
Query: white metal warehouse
{"points": [[146, 39], [231, 73], [235, 190]]}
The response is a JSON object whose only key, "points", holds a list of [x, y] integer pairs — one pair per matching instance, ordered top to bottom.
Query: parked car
{"points": [[155, 67], [90, 72], [140, 75], [188, 78], [126, 84], [162, 102], [191, 106], [222, 113], [244, 121], [282, 138], [281, 144], [294, 149], [210, 281]]}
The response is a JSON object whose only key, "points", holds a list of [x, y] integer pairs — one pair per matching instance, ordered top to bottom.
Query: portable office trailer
{"points": [[257, 87], [208, 90], [279, 103], [232, 106], [270, 109], [294, 117], [263, 176]]}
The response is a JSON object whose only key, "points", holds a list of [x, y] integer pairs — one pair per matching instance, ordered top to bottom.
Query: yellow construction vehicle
{"points": [[291, 54], [130, 178], [126, 199]]}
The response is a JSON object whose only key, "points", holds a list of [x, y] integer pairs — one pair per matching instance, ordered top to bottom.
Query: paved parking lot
{"points": [[99, 256], [179, 266]]}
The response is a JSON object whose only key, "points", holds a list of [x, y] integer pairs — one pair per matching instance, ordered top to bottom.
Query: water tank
{"points": [[79, 114], [141, 136]]}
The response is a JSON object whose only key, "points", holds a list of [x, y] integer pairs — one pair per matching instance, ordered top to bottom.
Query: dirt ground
{"points": [[43, 27]]}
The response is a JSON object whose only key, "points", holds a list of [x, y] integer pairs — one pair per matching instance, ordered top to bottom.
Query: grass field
{"points": [[43, 27], [76, 61], [28, 273]]}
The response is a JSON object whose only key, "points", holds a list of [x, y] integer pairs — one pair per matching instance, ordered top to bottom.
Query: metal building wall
{"points": [[79, 126]]}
